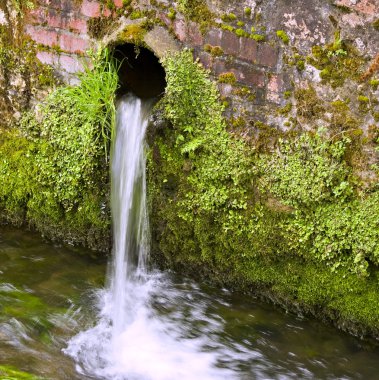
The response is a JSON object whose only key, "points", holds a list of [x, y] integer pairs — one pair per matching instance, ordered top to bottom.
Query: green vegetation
{"points": [[198, 11], [283, 36], [337, 62], [54, 164], [292, 223], [9, 373]]}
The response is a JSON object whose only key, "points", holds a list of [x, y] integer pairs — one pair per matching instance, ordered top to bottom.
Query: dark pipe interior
{"points": [[140, 71]]}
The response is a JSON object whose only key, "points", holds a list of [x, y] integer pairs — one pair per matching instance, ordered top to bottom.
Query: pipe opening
{"points": [[140, 71]]}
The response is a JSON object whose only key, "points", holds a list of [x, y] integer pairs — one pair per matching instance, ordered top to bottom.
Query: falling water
{"points": [[130, 341]]}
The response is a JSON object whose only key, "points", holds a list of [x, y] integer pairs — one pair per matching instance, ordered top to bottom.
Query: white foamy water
{"points": [[129, 340]]}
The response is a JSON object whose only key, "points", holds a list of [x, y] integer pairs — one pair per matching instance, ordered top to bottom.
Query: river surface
{"points": [[48, 295]]}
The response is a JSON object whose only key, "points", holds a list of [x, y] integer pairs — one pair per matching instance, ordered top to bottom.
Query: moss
{"points": [[197, 11], [247, 11], [171, 14], [228, 17], [240, 23], [375, 24], [98, 27], [227, 27], [134, 33], [241, 33], [283, 36], [257, 37], [215, 51], [337, 62], [300, 65], [229, 78], [374, 83], [287, 94], [308, 104], [285, 110], [10, 373]]}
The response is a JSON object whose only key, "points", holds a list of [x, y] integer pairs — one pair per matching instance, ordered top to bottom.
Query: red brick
{"points": [[118, 3], [90, 8], [106, 12], [37, 15], [163, 17], [55, 20], [78, 24], [180, 30], [42, 36], [195, 36], [213, 37], [230, 43], [73, 44], [248, 49], [267, 55], [48, 58], [205, 59], [71, 64], [219, 67], [247, 75], [274, 88]]}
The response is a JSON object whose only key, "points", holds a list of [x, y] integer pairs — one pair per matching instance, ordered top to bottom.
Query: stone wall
{"points": [[260, 52]]}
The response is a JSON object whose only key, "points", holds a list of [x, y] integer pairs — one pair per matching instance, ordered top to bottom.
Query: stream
{"points": [[47, 293]]}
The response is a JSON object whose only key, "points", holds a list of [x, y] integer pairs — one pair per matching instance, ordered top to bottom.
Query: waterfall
{"points": [[130, 221], [130, 340]]}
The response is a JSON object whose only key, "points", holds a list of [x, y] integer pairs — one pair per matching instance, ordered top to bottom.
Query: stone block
{"points": [[118, 3], [90, 8], [37, 16], [78, 24], [180, 30], [194, 35], [42, 36], [213, 37], [230, 43], [73, 44], [248, 49], [267, 55], [48, 58], [205, 59], [71, 64], [249, 76], [275, 88]]}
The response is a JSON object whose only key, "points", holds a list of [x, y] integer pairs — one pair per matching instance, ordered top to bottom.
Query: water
{"points": [[47, 298], [58, 319]]}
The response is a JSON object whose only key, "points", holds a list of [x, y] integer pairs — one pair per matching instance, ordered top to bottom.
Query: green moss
{"points": [[197, 11], [247, 11], [171, 14], [228, 17], [240, 23], [375, 24], [98, 27], [134, 33], [241, 33], [283, 36], [257, 37], [215, 51], [337, 62], [227, 78], [374, 83], [308, 104], [285, 110], [54, 169], [276, 212], [11, 373]]}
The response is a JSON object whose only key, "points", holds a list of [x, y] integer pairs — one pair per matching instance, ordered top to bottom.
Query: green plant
{"points": [[283, 36], [95, 95]]}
